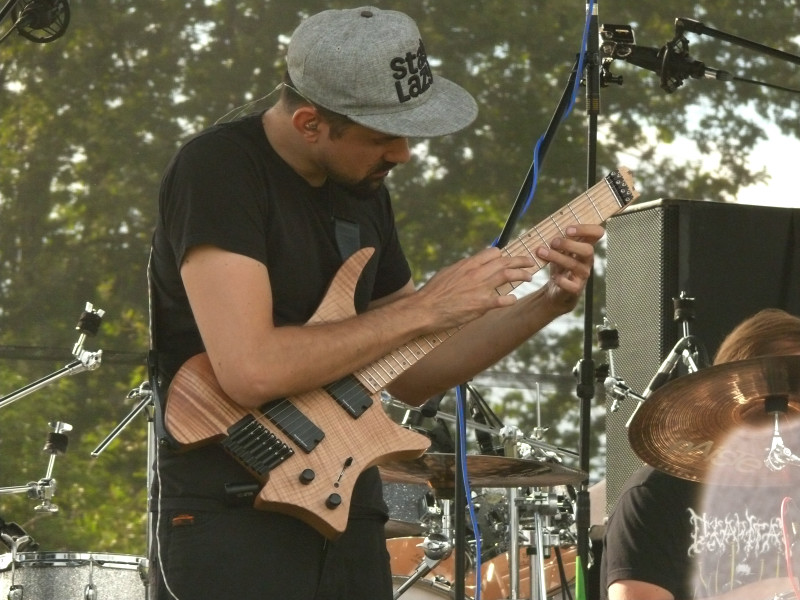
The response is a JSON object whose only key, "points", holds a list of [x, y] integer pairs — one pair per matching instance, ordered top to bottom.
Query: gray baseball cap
{"points": [[370, 65]]}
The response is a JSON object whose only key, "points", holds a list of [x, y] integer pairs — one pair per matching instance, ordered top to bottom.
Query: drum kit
{"points": [[521, 500], [523, 536], [522, 539], [26, 573]]}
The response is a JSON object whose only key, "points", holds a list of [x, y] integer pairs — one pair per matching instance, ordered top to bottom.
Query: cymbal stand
{"points": [[88, 324], [686, 349], [144, 395], [511, 435], [779, 456], [45, 488], [544, 505], [436, 547]]}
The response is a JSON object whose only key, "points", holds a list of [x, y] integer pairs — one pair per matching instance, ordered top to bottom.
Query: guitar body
{"points": [[314, 486]]}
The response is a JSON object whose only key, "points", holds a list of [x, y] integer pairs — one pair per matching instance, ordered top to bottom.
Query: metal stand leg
{"points": [[437, 546]]}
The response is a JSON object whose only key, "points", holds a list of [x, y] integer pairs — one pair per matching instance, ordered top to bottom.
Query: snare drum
{"points": [[407, 504], [58, 576]]}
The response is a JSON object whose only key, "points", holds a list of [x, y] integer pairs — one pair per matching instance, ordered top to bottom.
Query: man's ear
{"points": [[306, 121]]}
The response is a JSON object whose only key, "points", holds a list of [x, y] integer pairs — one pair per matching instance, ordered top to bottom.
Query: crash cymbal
{"points": [[715, 425], [439, 471]]}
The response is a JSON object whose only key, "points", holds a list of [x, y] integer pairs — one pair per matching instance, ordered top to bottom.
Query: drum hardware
{"points": [[88, 324], [687, 349], [144, 395], [145, 404], [685, 427], [511, 436], [538, 448], [541, 468], [504, 469], [45, 488], [544, 506], [551, 519], [14, 536], [436, 547], [44, 575], [494, 578], [15, 592]]}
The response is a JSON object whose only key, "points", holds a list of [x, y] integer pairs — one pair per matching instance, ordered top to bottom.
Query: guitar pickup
{"points": [[350, 395], [288, 418]]}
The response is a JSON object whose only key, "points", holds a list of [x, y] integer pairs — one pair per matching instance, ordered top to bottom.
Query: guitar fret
{"points": [[594, 206], [577, 218], [557, 226], [528, 251], [405, 362], [398, 367], [383, 374], [369, 380]]}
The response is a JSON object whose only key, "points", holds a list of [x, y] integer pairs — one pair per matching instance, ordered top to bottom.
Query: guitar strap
{"points": [[346, 228], [348, 237], [160, 432]]}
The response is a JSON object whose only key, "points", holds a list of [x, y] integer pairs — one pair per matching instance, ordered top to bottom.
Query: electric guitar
{"points": [[307, 450]]}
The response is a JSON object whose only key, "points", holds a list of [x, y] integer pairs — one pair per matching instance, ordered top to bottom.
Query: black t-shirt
{"points": [[228, 188], [695, 540]]}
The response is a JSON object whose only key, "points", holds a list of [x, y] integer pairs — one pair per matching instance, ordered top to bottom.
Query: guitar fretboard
{"points": [[594, 206]]}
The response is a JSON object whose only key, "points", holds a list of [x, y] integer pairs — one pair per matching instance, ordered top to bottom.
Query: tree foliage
{"points": [[91, 119]]}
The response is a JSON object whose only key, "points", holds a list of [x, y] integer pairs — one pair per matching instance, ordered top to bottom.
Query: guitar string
{"points": [[372, 370], [379, 374]]}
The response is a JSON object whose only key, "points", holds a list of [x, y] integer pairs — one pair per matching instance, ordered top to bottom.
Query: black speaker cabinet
{"points": [[732, 259]]}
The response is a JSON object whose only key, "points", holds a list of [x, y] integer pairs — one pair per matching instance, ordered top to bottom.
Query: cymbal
{"points": [[714, 426], [438, 470]]}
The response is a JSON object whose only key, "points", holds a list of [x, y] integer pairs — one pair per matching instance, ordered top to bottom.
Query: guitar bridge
{"points": [[255, 446]]}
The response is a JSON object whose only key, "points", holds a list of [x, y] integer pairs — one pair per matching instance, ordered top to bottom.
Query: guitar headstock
{"points": [[621, 183]]}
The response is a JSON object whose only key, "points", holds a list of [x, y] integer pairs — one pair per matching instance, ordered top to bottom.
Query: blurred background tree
{"points": [[90, 120]]}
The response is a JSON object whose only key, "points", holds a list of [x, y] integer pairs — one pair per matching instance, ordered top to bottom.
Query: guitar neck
{"points": [[607, 197]]}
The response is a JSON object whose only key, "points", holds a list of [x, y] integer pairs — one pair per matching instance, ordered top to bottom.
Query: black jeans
{"points": [[245, 554]]}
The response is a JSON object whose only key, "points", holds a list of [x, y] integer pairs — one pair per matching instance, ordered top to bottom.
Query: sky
{"points": [[779, 154]]}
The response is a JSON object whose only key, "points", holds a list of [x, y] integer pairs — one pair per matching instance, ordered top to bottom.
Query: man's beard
{"points": [[365, 187]]}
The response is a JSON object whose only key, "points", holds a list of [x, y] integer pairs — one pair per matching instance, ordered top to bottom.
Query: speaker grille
{"points": [[634, 289]]}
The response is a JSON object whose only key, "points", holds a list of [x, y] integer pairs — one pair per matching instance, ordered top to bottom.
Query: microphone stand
{"points": [[682, 24], [672, 62], [585, 368]]}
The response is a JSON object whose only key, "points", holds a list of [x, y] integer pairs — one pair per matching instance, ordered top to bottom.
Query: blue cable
{"points": [[575, 87], [460, 417], [462, 457]]}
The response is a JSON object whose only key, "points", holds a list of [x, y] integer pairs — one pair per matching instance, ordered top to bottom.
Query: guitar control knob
{"points": [[307, 476], [333, 501]]}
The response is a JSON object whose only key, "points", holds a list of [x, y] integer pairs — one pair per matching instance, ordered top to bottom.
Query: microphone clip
{"points": [[672, 62]]}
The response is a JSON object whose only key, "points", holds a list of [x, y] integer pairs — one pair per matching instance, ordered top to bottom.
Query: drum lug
{"points": [[16, 592], [90, 592]]}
